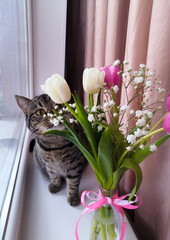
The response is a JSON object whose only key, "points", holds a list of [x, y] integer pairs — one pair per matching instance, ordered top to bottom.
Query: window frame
{"points": [[17, 162]]}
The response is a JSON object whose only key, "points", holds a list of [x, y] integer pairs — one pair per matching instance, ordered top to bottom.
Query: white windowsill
{"points": [[41, 215]]}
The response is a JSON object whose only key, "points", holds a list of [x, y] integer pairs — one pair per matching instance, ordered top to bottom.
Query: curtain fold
{"points": [[139, 31]]}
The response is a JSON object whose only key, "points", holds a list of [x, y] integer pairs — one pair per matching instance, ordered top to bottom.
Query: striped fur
{"points": [[55, 156]]}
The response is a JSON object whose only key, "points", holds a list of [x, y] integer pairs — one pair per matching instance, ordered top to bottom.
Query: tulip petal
{"points": [[111, 77], [93, 80], [57, 88], [168, 103], [166, 123]]}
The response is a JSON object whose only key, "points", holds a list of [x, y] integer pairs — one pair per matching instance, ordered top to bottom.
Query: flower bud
{"points": [[112, 77], [93, 80], [57, 88], [168, 103], [166, 123]]}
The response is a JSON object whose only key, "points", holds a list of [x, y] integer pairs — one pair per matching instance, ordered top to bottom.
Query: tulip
{"points": [[111, 77], [93, 80], [57, 88], [168, 103], [166, 123]]}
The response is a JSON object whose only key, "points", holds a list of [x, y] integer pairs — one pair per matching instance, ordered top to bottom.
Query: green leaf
{"points": [[83, 120], [116, 133], [73, 137], [140, 154], [105, 157], [129, 163], [117, 176]]}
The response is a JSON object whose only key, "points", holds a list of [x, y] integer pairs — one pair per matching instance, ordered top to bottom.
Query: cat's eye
{"points": [[40, 112]]}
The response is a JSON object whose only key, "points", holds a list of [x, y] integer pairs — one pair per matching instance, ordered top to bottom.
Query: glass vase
{"points": [[106, 220]]}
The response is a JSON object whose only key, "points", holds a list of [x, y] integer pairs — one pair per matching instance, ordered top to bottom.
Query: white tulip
{"points": [[93, 80], [57, 88]]}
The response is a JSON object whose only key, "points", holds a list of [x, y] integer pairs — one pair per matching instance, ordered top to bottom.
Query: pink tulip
{"points": [[111, 77], [168, 103], [166, 123]]}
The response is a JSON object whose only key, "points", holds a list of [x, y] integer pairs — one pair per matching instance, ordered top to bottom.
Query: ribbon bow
{"points": [[99, 200]]}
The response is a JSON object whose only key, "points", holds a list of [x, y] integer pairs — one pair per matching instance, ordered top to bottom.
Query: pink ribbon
{"points": [[99, 200]]}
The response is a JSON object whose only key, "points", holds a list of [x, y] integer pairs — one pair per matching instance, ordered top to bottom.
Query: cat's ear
{"points": [[23, 103]]}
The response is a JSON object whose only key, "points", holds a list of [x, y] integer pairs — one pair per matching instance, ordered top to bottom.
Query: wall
{"points": [[48, 34]]}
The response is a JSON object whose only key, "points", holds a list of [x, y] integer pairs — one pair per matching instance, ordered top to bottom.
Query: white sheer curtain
{"points": [[13, 81]]}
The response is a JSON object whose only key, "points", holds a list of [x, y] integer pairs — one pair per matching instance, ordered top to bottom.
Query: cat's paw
{"points": [[54, 188], [73, 201]]}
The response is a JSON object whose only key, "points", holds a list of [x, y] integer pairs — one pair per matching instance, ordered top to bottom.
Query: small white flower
{"points": [[116, 62], [125, 62], [142, 66], [128, 69], [151, 74], [124, 75], [138, 80], [148, 83], [115, 89], [161, 90], [111, 103], [106, 104], [56, 106], [124, 108], [94, 109], [132, 111], [60, 112], [139, 113], [115, 114], [149, 114], [50, 115], [60, 118], [91, 118], [71, 120], [55, 121], [141, 122], [99, 128], [138, 132], [144, 132], [131, 139], [142, 146], [153, 147], [129, 148]]}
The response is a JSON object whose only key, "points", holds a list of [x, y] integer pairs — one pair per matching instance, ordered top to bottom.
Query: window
{"points": [[14, 80]]}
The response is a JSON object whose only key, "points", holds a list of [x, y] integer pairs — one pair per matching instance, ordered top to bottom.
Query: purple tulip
{"points": [[111, 77], [168, 103], [166, 123]]}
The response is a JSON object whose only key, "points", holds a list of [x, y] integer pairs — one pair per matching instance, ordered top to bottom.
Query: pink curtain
{"points": [[139, 31]]}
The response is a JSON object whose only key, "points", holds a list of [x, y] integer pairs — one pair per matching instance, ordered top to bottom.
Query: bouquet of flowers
{"points": [[118, 136]]}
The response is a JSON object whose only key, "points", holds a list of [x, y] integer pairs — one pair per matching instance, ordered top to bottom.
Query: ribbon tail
{"points": [[84, 212], [123, 228]]}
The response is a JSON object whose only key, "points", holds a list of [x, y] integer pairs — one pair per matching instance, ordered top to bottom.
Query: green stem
{"points": [[90, 102], [115, 119], [157, 124], [147, 136], [138, 142], [94, 226]]}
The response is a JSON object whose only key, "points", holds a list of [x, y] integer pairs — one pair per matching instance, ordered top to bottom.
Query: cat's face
{"points": [[35, 110]]}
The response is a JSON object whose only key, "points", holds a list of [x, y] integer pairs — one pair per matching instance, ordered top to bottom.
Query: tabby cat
{"points": [[55, 156]]}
